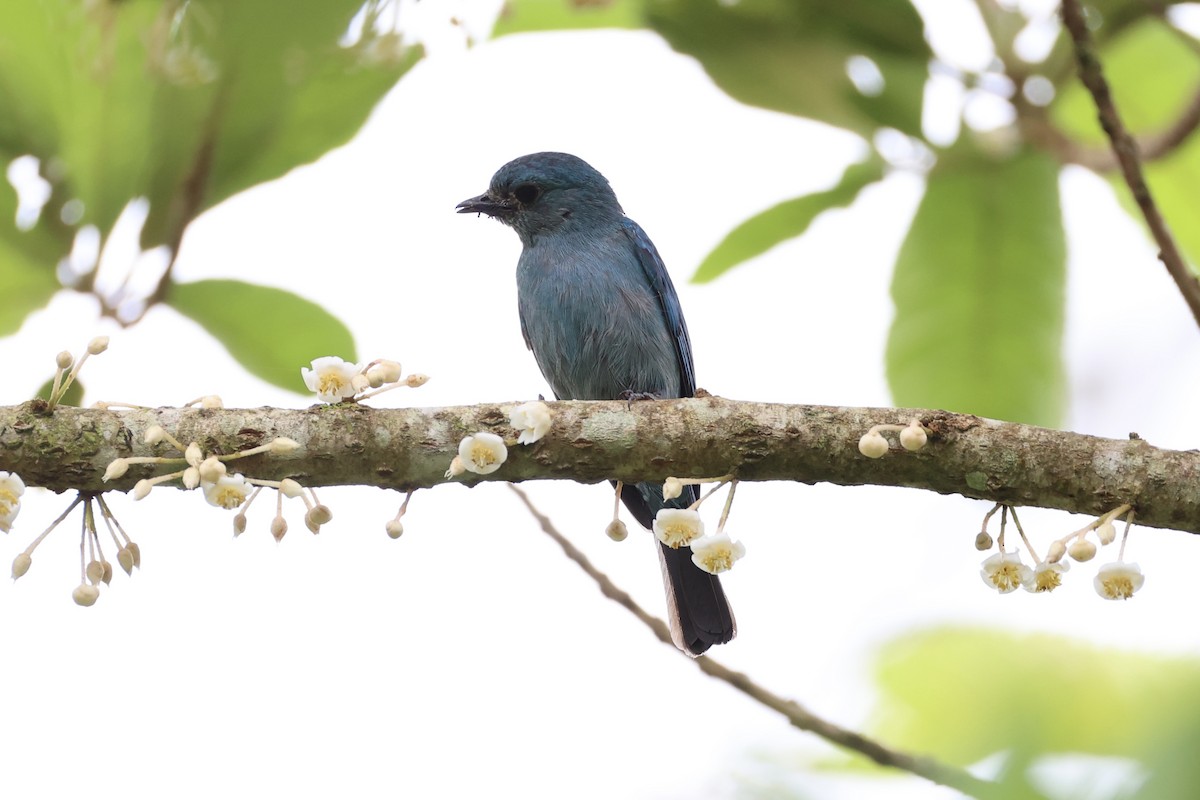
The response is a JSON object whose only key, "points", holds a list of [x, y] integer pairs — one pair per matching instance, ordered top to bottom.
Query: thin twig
{"points": [[1126, 151], [797, 715]]}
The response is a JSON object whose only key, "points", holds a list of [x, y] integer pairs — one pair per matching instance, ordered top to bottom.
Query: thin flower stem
{"points": [[707, 495], [616, 502], [728, 505], [988, 516], [110, 519], [1003, 524], [1125, 534], [82, 541], [32, 545], [1032, 553]]}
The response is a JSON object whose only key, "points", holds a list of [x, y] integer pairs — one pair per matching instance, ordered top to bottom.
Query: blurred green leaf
{"points": [[529, 16], [792, 55], [1153, 73], [183, 103], [787, 220], [27, 264], [979, 290], [271, 332], [72, 397], [964, 694]]}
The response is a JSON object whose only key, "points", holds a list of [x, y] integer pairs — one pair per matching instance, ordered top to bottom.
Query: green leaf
{"points": [[529, 16], [792, 55], [1153, 74], [183, 103], [787, 220], [27, 264], [979, 290], [271, 332], [1035, 693]]}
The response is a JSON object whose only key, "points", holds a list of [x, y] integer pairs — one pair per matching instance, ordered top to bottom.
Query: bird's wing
{"points": [[668, 301]]}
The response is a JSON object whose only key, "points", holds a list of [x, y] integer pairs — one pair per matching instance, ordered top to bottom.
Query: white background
{"points": [[470, 658]]}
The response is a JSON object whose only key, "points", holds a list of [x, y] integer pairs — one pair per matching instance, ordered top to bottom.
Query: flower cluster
{"points": [[334, 380], [483, 453], [682, 527], [94, 568], [1004, 571]]}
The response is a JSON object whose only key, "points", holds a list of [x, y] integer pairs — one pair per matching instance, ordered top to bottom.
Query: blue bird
{"points": [[602, 318]]}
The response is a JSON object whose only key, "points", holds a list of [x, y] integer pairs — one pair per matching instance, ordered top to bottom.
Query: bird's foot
{"points": [[630, 397]]}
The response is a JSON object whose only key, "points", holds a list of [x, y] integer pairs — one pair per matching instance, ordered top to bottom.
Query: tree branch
{"points": [[1126, 151], [410, 448], [797, 715]]}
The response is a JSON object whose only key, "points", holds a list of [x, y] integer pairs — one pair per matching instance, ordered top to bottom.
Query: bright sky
{"points": [[469, 658]]}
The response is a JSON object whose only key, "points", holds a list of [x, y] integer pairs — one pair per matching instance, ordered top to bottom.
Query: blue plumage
{"points": [[603, 320]]}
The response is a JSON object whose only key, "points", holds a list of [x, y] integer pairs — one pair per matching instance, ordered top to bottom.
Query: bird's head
{"points": [[543, 192]]}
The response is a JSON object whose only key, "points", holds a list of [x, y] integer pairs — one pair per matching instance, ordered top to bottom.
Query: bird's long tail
{"points": [[697, 609]]}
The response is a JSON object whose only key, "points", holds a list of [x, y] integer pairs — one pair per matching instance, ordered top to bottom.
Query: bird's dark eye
{"points": [[526, 193]]}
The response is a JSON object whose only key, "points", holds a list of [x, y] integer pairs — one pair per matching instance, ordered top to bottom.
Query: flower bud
{"points": [[98, 345], [64, 360], [416, 379], [360, 382], [211, 401], [154, 434], [913, 438], [282, 444], [873, 445], [194, 455], [116, 468], [212, 469], [191, 478], [142, 488], [290, 488], [672, 488], [320, 514], [239, 524], [310, 524], [278, 528], [394, 528], [617, 531], [1106, 533], [983, 541], [1082, 550], [1056, 551], [137, 554], [125, 559], [21, 565], [94, 572], [107, 574], [85, 594]]}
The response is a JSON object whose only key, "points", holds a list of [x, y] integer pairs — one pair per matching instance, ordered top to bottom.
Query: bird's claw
{"points": [[630, 397]]}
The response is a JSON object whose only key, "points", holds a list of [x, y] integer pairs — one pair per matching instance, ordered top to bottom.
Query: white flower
{"points": [[331, 378], [532, 419], [873, 445], [482, 453], [11, 489], [229, 491], [676, 527], [716, 554], [1004, 572], [1046, 576], [1118, 580]]}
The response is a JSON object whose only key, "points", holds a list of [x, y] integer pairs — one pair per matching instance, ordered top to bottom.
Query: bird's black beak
{"points": [[484, 204]]}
